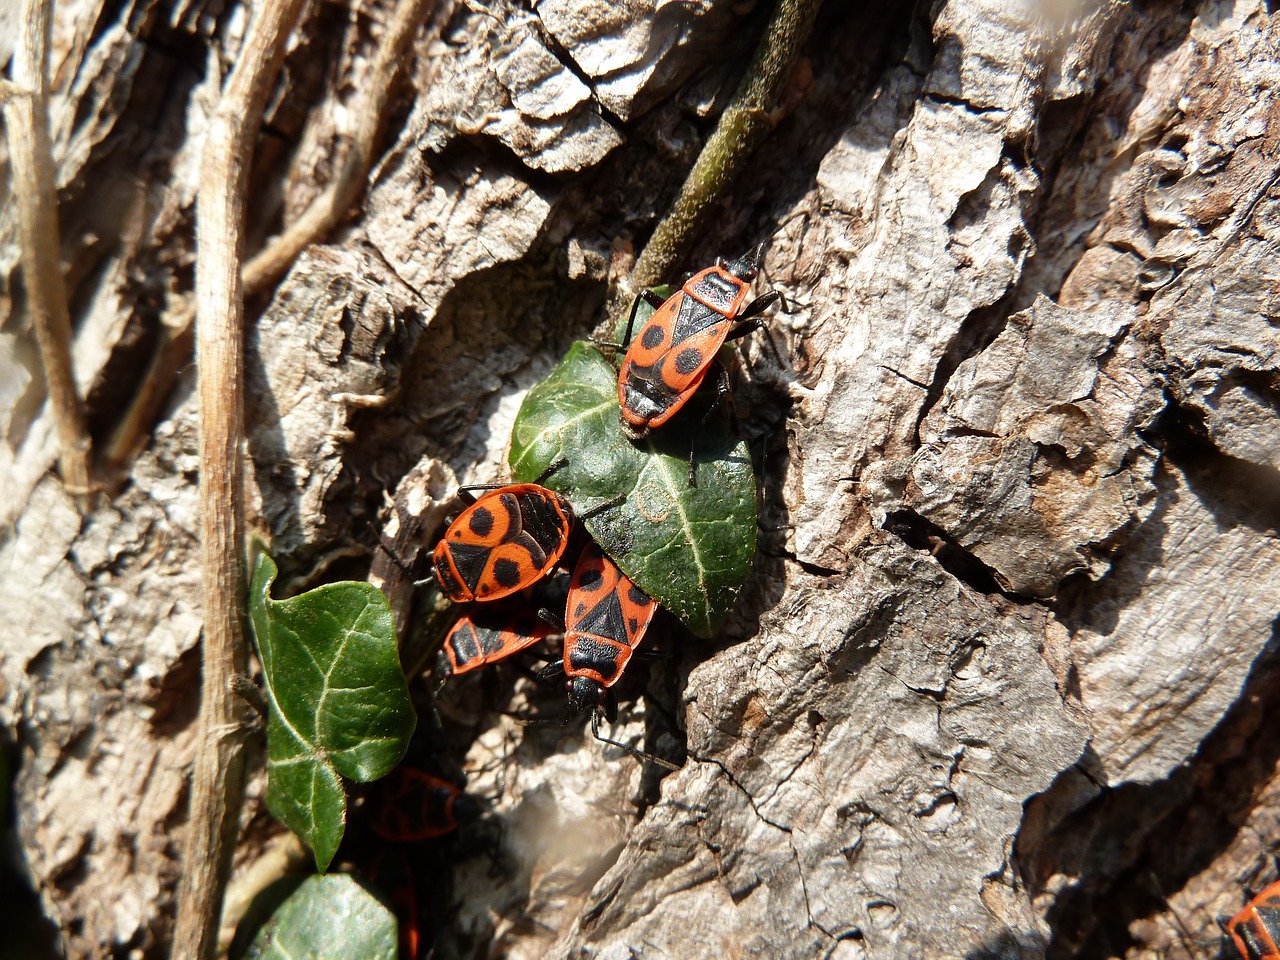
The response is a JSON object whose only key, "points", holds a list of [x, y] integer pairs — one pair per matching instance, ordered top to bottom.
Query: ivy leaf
{"points": [[643, 312], [690, 548], [337, 699], [327, 917]]}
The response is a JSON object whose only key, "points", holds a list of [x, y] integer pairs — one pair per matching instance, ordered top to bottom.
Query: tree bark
{"points": [[1004, 679]]}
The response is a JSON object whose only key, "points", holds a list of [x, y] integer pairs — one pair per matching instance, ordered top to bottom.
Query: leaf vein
{"points": [[557, 428]]}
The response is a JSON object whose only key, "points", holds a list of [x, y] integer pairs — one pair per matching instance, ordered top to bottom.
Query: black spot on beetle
{"points": [[653, 337], [689, 360], [481, 522], [506, 572]]}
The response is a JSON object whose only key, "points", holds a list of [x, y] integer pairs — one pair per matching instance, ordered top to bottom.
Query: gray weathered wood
{"points": [[1003, 678]]}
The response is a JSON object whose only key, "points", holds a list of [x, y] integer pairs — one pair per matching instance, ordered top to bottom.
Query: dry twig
{"points": [[27, 120], [218, 780]]}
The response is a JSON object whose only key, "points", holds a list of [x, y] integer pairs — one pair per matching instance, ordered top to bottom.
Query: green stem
{"points": [[742, 128]]}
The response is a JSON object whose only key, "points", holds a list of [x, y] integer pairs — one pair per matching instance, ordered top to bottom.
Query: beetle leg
{"points": [[649, 297], [762, 303], [752, 324], [745, 328], [551, 469], [467, 494], [602, 507], [389, 548], [555, 620], [551, 672], [638, 754]]}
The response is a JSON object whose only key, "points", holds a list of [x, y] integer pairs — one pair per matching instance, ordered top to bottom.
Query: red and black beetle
{"points": [[669, 358], [503, 542], [606, 619], [487, 634], [414, 805], [1256, 928]]}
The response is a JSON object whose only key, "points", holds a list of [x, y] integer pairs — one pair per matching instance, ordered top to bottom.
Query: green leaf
{"points": [[643, 313], [690, 548], [338, 702], [328, 917]]}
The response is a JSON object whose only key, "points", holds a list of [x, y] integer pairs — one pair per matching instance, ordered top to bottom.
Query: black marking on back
{"points": [[717, 290], [693, 318], [653, 336], [688, 360], [648, 382], [515, 515], [540, 519], [481, 522], [534, 548], [470, 559], [506, 572], [589, 579], [448, 582], [636, 595], [605, 619], [491, 640], [463, 642], [589, 653], [1269, 917], [1251, 943]]}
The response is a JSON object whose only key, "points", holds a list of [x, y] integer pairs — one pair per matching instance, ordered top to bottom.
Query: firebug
{"points": [[669, 358], [503, 542], [606, 618], [485, 635], [414, 805], [1256, 928]]}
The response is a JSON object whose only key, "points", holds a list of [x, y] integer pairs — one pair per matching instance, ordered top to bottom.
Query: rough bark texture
{"points": [[1005, 678]]}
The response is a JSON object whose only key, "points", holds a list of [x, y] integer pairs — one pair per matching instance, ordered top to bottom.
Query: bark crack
{"points": [[565, 59], [386, 262], [755, 808]]}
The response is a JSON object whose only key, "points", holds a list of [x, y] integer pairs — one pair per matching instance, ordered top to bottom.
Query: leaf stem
{"points": [[26, 115], [742, 127], [218, 779]]}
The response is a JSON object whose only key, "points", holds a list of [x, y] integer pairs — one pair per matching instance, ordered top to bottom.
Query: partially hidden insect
{"points": [[669, 358], [503, 542], [606, 618], [487, 634], [414, 805], [392, 872], [1256, 928]]}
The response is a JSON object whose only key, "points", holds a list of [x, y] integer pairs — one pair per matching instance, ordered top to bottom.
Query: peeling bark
{"points": [[1004, 678]]}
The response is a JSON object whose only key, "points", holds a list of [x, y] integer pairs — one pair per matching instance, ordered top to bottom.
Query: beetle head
{"points": [[746, 266], [585, 694]]}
